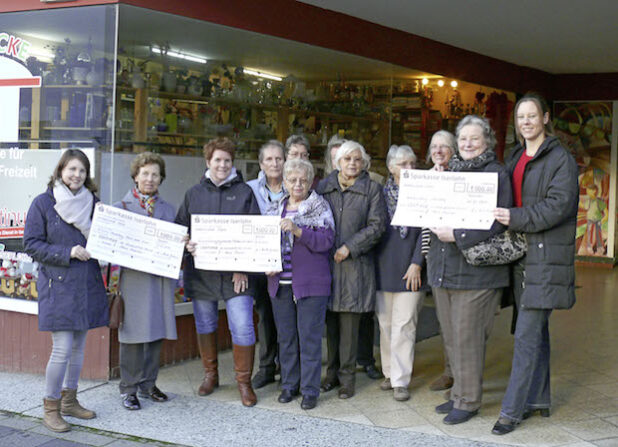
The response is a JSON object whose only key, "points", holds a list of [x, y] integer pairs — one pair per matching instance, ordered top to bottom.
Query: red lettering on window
{"points": [[11, 48]]}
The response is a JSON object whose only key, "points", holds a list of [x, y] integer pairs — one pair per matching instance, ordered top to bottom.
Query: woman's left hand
{"points": [[503, 215], [288, 225], [445, 234], [342, 254], [413, 277], [241, 282]]}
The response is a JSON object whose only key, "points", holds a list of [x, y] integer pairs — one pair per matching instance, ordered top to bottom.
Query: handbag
{"points": [[500, 249], [116, 303]]}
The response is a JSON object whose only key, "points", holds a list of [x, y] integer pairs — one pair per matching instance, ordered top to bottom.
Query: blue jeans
{"points": [[239, 311], [300, 325], [65, 362], [528, 387]]}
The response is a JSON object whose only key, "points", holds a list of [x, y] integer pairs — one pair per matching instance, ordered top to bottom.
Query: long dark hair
{"points": [[67, 156]]}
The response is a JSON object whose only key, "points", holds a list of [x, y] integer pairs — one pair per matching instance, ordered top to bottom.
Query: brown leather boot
{"points": [[208, 352], [243, 366], [69, 406], [52, 418]]}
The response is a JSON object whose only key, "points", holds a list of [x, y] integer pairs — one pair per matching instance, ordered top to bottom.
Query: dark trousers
{"points": [[300, 325], [267, 330], [366, 335], [342, 344], [139, 366], [529, 386]]}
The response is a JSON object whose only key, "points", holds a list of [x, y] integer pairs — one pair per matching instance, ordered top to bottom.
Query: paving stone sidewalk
{"points": [[22, 431]]}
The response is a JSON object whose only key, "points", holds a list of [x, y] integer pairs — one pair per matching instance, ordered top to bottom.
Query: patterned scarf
{"points": [[456, 163], [391, 193], [145, 201], [314, 211]]}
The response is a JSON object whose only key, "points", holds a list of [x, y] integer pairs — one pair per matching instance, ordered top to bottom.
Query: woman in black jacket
{"points": [[221, 191], [546, 195], [467, 296]]}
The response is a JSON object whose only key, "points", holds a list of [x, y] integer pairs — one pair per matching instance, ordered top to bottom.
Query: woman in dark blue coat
{"points": [[400, 289], [72, 297]]}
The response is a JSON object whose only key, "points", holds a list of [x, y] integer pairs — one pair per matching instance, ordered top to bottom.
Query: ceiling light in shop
{"points": [[178, 55], [261, 74], [425, 81], [440, 83], [454, 84]]}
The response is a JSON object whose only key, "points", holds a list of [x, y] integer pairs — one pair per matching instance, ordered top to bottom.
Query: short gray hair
{"points": [[483, 123], [296, 139], [450, 140], [333, 142], [270, 143], [347, 148], [397, 153], [298, 164]]}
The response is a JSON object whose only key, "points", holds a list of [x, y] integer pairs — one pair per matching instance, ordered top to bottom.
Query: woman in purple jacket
{"points": [[300, 291], [72, 298]]}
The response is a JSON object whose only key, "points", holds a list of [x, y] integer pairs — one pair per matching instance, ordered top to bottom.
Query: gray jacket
{"points": [[550, 197], [360, 220], [446, 265], [148, 299]]}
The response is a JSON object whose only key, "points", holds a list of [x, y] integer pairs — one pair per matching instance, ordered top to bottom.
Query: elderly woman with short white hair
{"points": [[441, 149], [360, 219], [400, 288], [300, 292]]}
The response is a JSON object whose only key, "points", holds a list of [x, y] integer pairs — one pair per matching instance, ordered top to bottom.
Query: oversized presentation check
{"points": [[446, 199], [136, 242], [237, 243]]}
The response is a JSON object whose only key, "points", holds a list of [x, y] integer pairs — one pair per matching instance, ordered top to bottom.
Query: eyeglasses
{"points": [[300, 181]]}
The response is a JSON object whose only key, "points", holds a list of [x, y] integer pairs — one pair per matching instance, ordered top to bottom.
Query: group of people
{"points": [[342, 261]]}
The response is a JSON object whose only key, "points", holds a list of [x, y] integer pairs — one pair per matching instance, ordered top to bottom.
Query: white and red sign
{"points": [[13, 76]]}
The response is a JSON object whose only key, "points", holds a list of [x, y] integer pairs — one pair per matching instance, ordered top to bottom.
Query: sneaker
{"points": [[386, 385], [401, 394]]}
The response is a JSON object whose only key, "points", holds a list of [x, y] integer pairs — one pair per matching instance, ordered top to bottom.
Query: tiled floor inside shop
{"points": [[584, 384]]}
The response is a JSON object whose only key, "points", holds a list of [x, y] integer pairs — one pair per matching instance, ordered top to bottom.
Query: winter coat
{"points": [[233, 197], [550, 197], [360, 220], [448, 268], [71, 292], [148, 299]]}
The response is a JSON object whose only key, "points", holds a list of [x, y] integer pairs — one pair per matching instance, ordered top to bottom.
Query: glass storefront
{"points": [[118, 80]]}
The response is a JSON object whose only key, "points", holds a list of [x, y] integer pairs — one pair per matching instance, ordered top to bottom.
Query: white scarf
{"points": [[74, 209]]}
